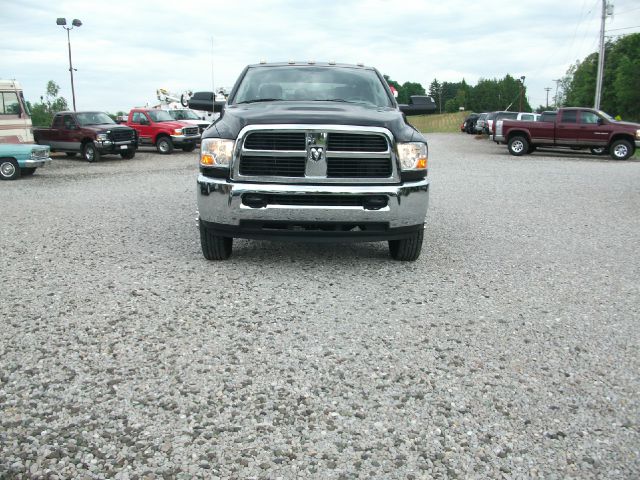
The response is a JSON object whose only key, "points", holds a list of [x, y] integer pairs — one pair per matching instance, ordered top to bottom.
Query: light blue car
{"points": [[18, 159]]}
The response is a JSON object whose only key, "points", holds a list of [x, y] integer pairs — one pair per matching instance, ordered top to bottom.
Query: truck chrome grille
{"points": [[190, 130], [122, 134], [275, 141], [350, 142], [324, 154], [272, 166], [358, 167]]}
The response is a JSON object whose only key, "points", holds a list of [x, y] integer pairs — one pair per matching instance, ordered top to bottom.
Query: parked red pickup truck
{"points": [[156, 127], [574, 128], [90, 133]]}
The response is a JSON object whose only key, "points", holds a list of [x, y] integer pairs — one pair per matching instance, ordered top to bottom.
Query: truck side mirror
{"points": [[205, 101], [419, 105], [600, 121]]}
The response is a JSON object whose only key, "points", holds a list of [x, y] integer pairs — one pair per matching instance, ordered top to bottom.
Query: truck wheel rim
{"points": [[163, 146], [517, 146], [620, 151], [89, 153], [7, 169]]}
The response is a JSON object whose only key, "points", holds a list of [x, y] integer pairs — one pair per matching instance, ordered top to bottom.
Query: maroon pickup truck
{"points": [[574, 128], [90, 133]]}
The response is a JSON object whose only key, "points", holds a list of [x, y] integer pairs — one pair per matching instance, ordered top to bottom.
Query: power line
{"points": [[623, 28]]}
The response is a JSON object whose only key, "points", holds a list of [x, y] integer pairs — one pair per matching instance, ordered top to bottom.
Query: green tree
{"points": [[620, 93], [42, 113]]}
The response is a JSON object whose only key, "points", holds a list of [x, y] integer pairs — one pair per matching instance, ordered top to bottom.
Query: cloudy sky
{"points": [[125, 50]]}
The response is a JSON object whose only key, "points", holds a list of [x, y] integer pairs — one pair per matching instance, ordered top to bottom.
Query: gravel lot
{"points": [[508, 350]]}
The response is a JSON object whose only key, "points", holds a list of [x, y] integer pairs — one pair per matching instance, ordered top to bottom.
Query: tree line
{"points": [[621, 79], [487, 95]]}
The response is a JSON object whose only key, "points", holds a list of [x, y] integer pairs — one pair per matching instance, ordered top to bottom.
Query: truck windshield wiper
{"points": [[260, 100]]}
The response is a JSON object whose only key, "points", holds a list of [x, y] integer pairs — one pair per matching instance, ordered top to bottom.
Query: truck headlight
{"points": [[178, 131], [637, 133], [102, 137], [216, 152], [412, 155]]}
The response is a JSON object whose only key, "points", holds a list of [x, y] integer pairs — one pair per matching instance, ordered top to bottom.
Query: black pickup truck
{"points": [[91, 134], [313, 151]]}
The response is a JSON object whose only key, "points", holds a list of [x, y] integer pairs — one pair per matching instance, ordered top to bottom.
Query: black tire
{"points": [[164, 145], [518, 145], [189, 148], [599, 150], [621, 150], [90, 153], [70, 154], [129, 154], [9, 169], [26, 172], [214, 247], [407, 249]]}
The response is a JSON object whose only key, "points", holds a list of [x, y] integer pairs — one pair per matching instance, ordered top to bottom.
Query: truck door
{"points": [[142, 124], [567, 128], [593, 132], [70, 134]]}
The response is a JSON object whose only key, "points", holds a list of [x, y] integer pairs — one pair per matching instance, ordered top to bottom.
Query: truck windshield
{"points": [[312, 83], [183, 115], [160, 116], [93, 118]]}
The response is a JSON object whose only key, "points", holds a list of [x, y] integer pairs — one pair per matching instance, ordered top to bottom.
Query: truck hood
{"points": [[235, 117], [628, 124], [105, 127]]}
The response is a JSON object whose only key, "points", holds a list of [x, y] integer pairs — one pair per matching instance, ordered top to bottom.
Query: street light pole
{"points": [[75, 23], [547, 89]]}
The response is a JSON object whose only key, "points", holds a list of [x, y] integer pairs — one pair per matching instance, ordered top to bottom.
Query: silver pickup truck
{"points": [[320, 152]]}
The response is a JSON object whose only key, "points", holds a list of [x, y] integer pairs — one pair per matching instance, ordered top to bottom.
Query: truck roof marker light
{"points": [[263, 61], [291, 62], [312, 62], [332, 62], [360, 64]]}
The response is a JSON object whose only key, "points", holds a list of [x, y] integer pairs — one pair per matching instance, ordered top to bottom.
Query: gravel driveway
{"points": [[508, 350]]}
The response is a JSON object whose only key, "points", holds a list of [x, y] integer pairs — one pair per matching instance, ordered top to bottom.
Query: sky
{"points": [[125, 50]]}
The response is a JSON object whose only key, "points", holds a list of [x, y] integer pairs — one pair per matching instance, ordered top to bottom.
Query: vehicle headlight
{"points": [[178, 131], [637, 133], [102, 137], [216, 152], [412, 155]]}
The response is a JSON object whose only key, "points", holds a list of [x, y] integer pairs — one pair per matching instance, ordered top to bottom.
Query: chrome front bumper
{"points": [[34, 162], [220, 204]]}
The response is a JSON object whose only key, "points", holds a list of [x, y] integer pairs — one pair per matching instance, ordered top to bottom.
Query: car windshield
{"points": [[312, 83], [183, 115], [160, 116], [606, 116], [94, 118]]}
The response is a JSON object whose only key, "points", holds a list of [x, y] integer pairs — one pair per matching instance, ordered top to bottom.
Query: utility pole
{"points": [[607, 10], [547, 89], [521, 92], [555, 101]]}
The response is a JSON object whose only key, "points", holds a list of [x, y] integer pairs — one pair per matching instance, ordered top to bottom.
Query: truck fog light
{"points": [[412, 155]]}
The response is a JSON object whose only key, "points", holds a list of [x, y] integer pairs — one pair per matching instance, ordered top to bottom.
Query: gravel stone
{"points": [[508, 350]]}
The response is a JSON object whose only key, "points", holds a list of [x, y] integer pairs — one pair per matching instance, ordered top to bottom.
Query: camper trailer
{"points": [[15, 118]]}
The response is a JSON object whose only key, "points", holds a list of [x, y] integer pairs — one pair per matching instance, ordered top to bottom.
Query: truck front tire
{"points": [[164, 145], [518, 146], [621, 150], [90, 153], [9, 169], [214, 247], [407, 249]]}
